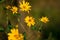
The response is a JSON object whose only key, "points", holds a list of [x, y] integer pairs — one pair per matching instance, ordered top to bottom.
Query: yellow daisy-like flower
{"points": [[24, 6], [8, 7], [14, 9], [44, 19], [29, 21], [14, 35]]}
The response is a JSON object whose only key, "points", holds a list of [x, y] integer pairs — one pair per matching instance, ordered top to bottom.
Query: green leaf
{"points": [[16, 14], [8, 28], [33, 28], [1, 29], [24, 35]]}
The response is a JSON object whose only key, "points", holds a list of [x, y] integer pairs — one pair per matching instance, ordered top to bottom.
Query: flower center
{"points": [[24, 7], [14, 10], [29, 20], [16, 36]]}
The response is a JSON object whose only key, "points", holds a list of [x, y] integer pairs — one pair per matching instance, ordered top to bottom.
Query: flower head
{"points": [[24, 6], [8, 7], [14, 9], [44, 19], [29, 21], [14, 35]]}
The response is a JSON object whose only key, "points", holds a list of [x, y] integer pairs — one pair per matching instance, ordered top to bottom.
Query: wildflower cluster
{"points": [[24, 6], [29, 20]]}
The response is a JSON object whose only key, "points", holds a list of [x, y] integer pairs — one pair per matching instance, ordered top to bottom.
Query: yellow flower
{"points": [[24, 6], [8, 7], [14, 9], [44, 19], [29, 21], [14, 35]]}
